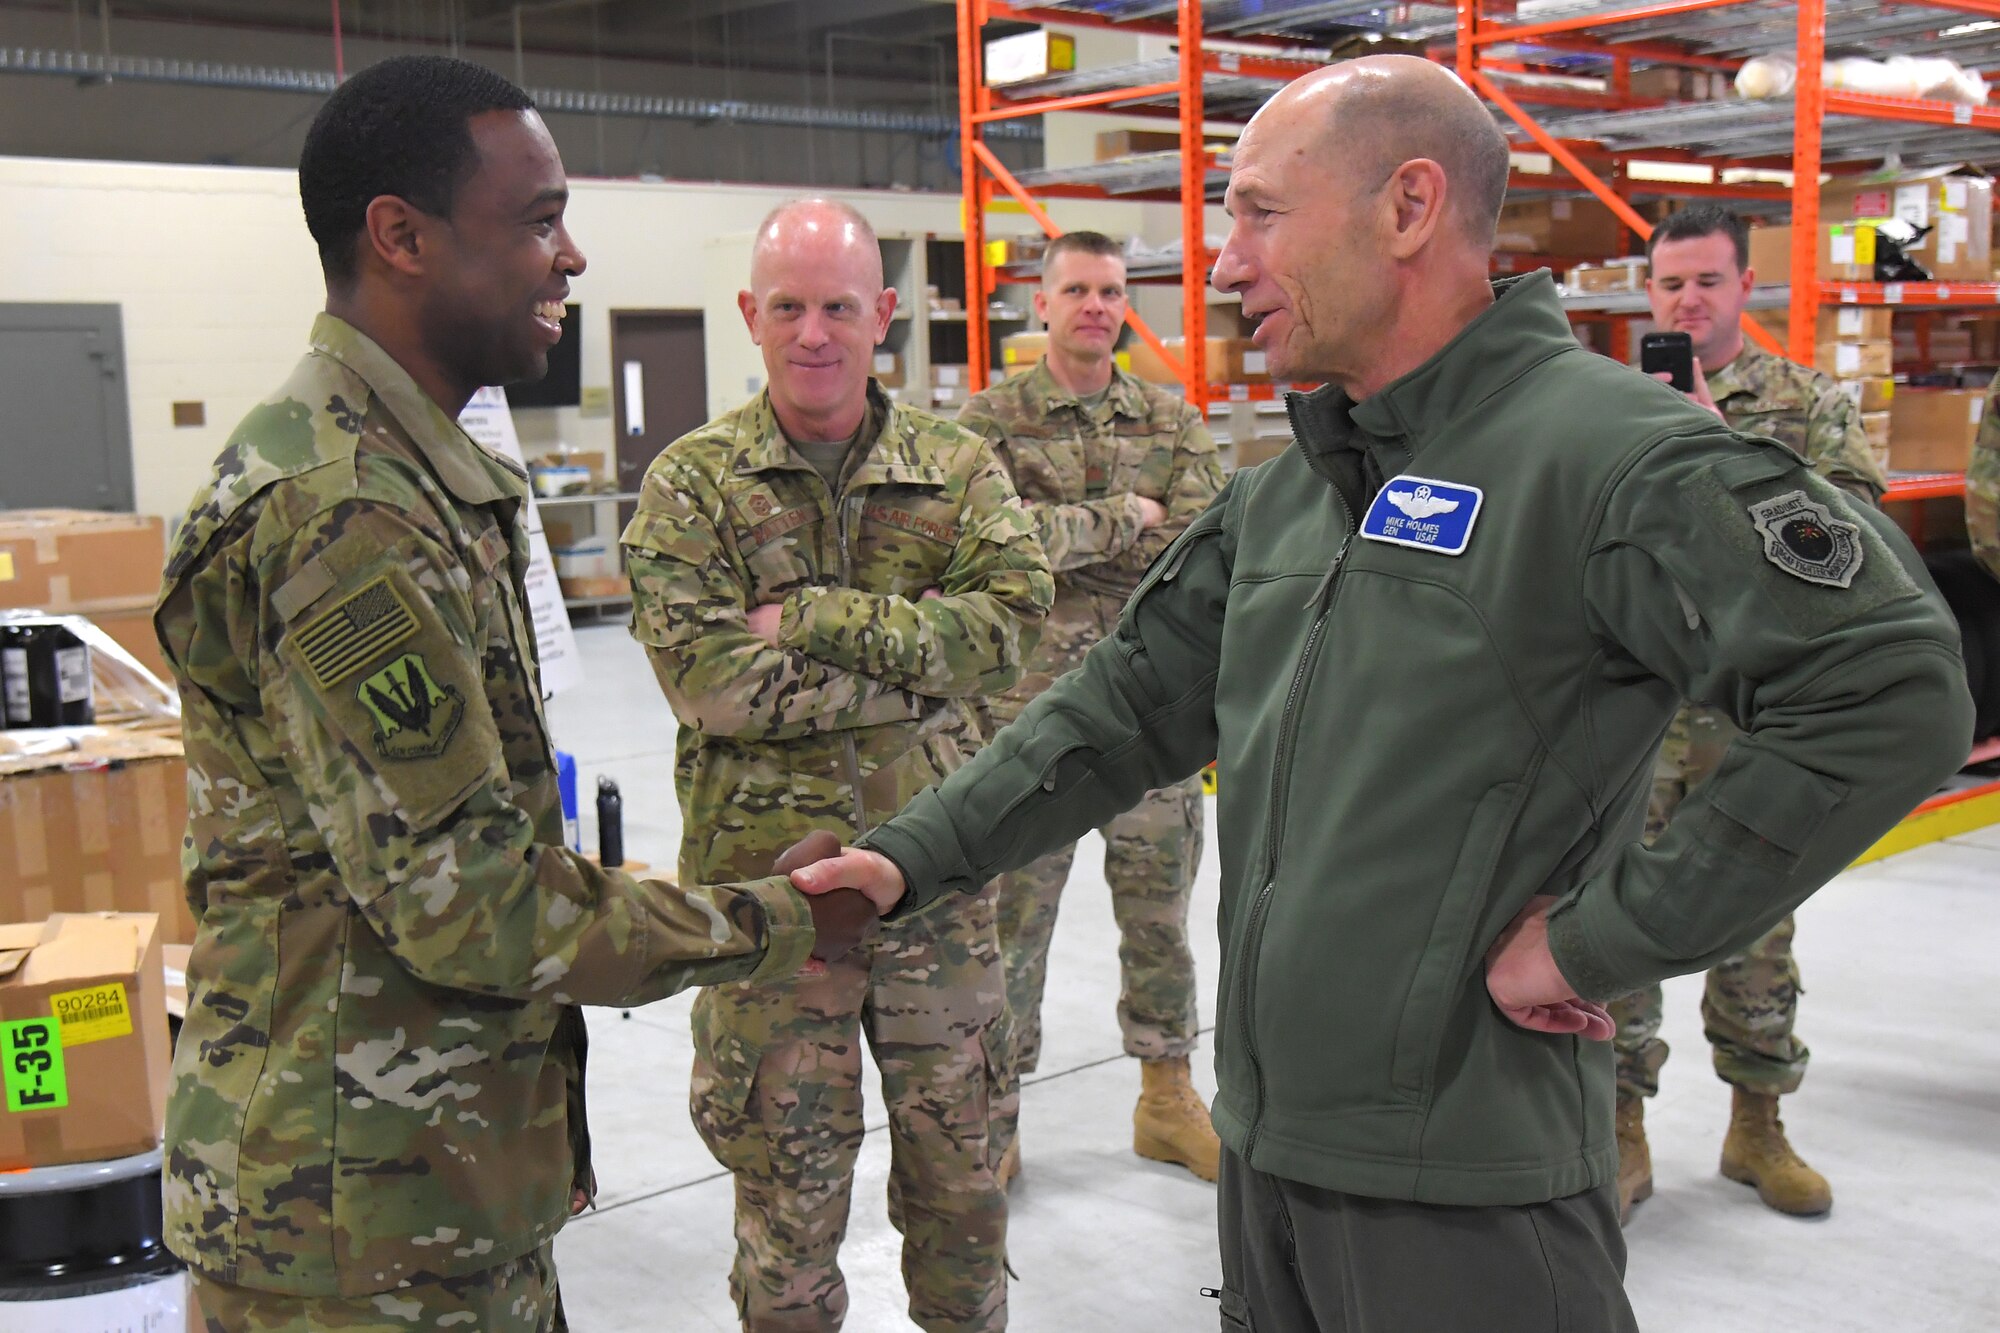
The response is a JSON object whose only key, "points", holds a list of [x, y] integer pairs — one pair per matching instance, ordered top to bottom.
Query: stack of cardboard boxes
{"points": [[1954, 203], [79, 562]]}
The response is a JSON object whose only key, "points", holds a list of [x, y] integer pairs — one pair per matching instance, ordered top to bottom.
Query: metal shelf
{"points": [[1298, 20], [1744, 28], [1224, 96], [1742, 129], [1777, 295], [1924, 485]]}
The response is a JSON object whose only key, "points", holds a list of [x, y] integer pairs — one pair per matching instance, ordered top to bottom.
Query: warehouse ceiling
{"points": [[897, 39]]}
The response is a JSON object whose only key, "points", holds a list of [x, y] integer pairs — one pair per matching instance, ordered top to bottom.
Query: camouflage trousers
{"points": [[1151, 855], [1752, 1000], [777, 1099], [519, 1296]]}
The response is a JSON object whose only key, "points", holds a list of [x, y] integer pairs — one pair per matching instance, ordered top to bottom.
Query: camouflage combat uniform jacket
{"points": [[1762, 394], [1080, 469], [1982, 486], [869, 696], [380, 1071]]}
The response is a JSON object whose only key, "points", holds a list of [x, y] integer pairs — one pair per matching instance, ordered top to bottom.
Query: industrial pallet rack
{"points": [[1231, 54]]}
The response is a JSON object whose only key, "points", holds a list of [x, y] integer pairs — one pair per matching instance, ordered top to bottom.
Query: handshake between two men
{"points": [[851, 889]]}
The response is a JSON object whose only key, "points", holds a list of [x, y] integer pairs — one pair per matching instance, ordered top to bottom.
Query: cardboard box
{"points": [[1028, 55], [1673, 83], [1126, 143], [1956, 202], [1577, 228], [1846, 253], [1629, 276], [1836, 323], [1019, 352], [1845, 360], [1230, 361], [888, 368], [1871, 394], [1876, 424], [1931, 430], [1260, 449], [593, 557], [75, 560], [132, 626], [96, 827], [83, 1038]]}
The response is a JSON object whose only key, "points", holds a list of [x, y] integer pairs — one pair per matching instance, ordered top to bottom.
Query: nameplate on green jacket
{"points": [[1423, 513], [1803, 538]]}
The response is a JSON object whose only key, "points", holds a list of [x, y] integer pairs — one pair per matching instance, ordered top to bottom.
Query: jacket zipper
{"points": [[841, 507], [1322, 601]]}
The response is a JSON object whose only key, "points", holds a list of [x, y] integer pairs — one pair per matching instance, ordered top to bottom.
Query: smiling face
{"points": [[1303, 249], [495, 281], [1695, 287], [1082, 301], [817, 310]]}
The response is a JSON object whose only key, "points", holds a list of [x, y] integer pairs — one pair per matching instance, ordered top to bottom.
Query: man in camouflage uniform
{"points": [[1700, 280], [1113, 469], [1982, 486], [826, 583], [376, 1114]]}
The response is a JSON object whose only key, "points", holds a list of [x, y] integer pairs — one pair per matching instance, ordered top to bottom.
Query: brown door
{"points": [[658, 367]]}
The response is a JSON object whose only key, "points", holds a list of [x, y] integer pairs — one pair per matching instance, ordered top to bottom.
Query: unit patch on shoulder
{"points": [[1430, 515], [1803, 538], [361, 627], [414, 716]]}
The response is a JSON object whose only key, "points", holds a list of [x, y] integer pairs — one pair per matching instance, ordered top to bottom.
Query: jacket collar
{"points": [[1523, 327], [1741, 374], [1127, 397], [893, 455], [460, 463]]}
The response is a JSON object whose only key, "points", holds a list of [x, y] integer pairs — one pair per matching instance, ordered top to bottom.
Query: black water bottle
{"points": [[52, 665], [15, 709], [610, 824]]}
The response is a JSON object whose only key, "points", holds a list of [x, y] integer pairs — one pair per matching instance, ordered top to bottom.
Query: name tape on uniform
{"points": [[1424, 513]]}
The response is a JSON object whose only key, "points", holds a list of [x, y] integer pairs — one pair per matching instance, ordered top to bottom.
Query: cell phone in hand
{"points": [[1671, 352]]}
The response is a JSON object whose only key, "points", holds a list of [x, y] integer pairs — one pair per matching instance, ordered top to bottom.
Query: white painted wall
{"points": [[219, 281]]}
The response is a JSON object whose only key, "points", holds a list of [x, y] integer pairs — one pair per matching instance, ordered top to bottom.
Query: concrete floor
{"points": [[1901, 1111]]}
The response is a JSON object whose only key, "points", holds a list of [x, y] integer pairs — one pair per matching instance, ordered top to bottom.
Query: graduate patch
{"points": [[1434, 516], [1803, 538], [366, 625], [414, 716]]}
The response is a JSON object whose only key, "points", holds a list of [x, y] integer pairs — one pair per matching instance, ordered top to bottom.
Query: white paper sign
{"points": [[487, 420]]}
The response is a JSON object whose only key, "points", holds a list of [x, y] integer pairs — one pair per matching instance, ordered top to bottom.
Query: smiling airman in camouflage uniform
{"points": [[1082, 468], [1982, 486], [912, 584], [1750, 1005], [376, 1117]]}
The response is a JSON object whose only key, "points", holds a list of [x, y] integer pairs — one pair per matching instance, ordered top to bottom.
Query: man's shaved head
{"points": [[1383, 111], [820, 227]]}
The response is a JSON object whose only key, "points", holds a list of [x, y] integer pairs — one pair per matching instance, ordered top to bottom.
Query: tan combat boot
{"points": [[1170, 1123], [1756, 1153], [1635, 1159], [1010, 1165]]}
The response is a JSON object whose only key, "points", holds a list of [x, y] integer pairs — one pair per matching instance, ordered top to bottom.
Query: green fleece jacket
{"points": [[1413, 742]]}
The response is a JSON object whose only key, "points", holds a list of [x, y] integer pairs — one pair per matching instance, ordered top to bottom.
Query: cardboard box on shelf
{"points": [[1028, 55], [1668, 83], [1124, 143], [1955, 202], [1574, 227], [1846, 253], [1624, 276], [1020, 351], [1230, 360], [1856, 360], [888, 368], [949, 376], [1870, 394], [1876, 425], [1932, 430], [61, 560], [578, 587], [132, 626], [94, 825], [83, 1038]]}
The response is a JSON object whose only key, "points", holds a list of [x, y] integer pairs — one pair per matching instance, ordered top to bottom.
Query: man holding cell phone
{"points": [[1699, 285]]}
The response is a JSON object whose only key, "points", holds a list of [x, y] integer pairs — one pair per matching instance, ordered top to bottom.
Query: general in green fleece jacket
{"points": [[1413, 743]]}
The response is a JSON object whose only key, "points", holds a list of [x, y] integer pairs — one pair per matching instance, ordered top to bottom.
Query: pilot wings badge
{"points": [[1422, 512]]}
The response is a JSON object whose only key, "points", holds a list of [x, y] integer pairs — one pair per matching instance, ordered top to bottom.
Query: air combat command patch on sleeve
{"points": [[1803, 538], [414, 716]]}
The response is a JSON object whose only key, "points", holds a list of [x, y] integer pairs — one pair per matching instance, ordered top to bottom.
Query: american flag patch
{"points": [[354, 633]]}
